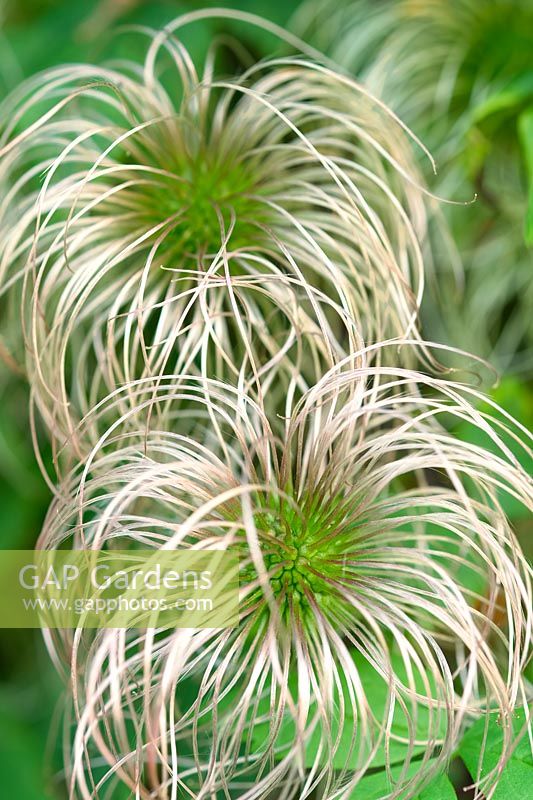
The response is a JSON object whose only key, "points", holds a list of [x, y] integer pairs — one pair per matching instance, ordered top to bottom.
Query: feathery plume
{"points": [[255, 229], [384, 600]]}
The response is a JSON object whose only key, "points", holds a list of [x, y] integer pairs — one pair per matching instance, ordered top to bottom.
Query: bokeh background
{"points": [[34, 35]]}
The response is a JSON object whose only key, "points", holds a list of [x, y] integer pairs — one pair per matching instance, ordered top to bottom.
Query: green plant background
{"points": [[36, 34]]}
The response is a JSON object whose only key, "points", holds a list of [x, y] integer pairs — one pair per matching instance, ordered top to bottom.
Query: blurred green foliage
{"points": [[44, 33], [525, 129]]}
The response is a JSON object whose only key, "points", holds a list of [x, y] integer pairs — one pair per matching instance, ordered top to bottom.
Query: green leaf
{"points": [[525, 133], [516, 780], [375, 787], [440, 788]]}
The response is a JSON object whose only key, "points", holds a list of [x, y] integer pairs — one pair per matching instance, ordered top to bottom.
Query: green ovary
{"points": [[203, 191], [307, 565], [294, 576]]}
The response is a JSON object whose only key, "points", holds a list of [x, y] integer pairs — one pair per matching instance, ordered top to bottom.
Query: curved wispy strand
{"points": [[384, 599]]}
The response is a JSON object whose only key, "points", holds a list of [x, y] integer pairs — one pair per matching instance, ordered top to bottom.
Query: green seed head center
{"points": [[206, 197], [306, 566], [294, 573]]}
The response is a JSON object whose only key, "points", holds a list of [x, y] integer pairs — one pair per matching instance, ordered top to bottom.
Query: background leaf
{"points": [[525, 131], [516, 780]]}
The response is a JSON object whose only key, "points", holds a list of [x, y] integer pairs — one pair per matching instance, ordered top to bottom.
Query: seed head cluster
{"points": [[219, 284]]}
